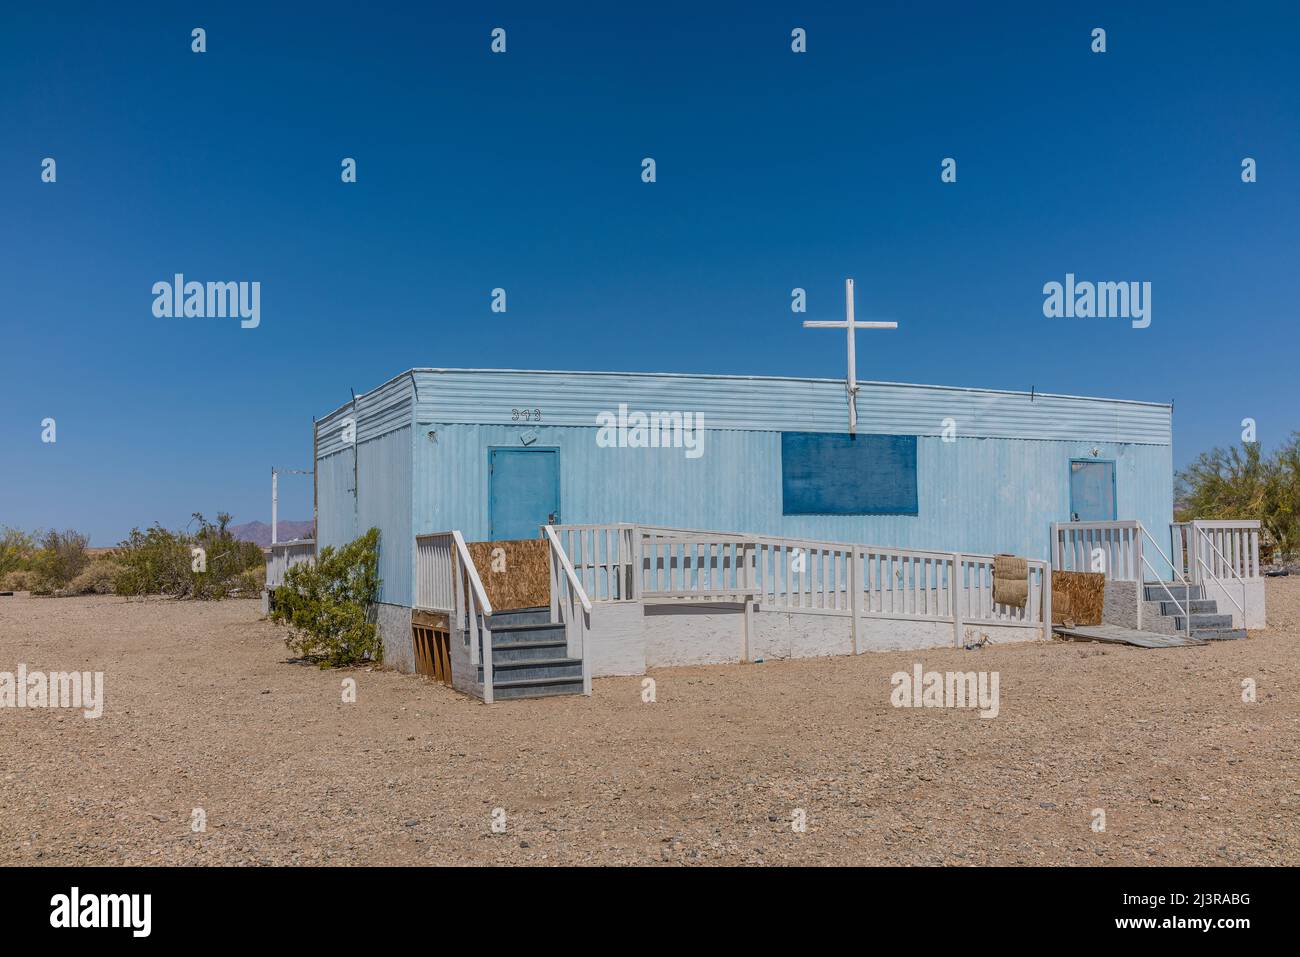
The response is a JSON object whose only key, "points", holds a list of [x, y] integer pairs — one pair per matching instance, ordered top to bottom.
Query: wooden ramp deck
{"points": [[1117, 634]]}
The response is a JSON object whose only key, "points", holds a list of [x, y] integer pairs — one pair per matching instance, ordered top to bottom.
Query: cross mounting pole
{"points": [[850, 326]]}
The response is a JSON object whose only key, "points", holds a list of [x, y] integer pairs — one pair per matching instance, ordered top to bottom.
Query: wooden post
{"points": [[1141, 577], [554, 578], [954, 590], [745, 592], [855, 597], [1047, 600], [749, 626]]}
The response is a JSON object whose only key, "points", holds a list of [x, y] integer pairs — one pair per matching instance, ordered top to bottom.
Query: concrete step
{"points": [[1155, 591], [1204, 606], [521, 616], [1204, 622], [1225, 634], [528, 651], [553, 669], [535, 689]]}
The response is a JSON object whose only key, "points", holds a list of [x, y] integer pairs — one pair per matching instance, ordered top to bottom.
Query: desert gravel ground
{"points": [[204, 710]]}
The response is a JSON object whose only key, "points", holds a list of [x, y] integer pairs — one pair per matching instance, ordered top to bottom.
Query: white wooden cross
{"points": [[850, 326]]}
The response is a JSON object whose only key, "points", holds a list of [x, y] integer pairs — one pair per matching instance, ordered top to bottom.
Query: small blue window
{"points": [[832, 474]]}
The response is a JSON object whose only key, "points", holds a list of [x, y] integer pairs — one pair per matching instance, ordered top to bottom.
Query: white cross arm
{"points": [[841, 324]]}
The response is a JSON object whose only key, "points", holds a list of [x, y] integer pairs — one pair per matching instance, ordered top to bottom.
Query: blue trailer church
{"points": [[670, 519]]}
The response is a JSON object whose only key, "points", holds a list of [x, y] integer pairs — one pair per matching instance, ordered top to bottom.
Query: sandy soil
{"points": [[204, 711]]}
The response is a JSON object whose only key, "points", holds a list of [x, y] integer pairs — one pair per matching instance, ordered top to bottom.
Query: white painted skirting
{"points": [[628, 637]]}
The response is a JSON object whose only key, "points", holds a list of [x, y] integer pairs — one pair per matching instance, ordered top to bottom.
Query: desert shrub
{"points": [[1244, 483], [17, 549], [60, 558], [153, 562], [162, 562], [96, 579], [17, 580], [251, 581], [328, 605]]}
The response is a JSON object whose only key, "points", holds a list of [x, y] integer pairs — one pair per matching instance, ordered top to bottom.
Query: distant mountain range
{"points": [[260, 532]]}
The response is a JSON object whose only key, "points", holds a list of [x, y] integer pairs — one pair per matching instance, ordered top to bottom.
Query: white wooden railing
{"points": [[1114, 548], [1117, 549], [1223, 549], [1219, 551], [282, 555], [602, 556], [435, 568], [797, 575], [447, 581], [976, 589], [570, 604]]}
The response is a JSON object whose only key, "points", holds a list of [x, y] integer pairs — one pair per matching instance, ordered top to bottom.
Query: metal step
{"points": [[521, 616], [514, 634], [527, 651], [547, 669], [535, 689]]}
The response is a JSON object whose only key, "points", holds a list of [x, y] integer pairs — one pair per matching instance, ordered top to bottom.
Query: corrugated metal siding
{"points": [[771, 404], [377, 412], [383, 468], [384, 478], [996, 492], [975, 495], [336, 516]]}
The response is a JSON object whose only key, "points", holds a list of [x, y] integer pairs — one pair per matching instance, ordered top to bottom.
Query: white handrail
{"points": [[567, 565], [1229, 565], [1187, 585], [479, 592], [476, 601], [576, 623]]}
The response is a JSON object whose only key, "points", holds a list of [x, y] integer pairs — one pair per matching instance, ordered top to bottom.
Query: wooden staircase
{"points": [[530, 656]]}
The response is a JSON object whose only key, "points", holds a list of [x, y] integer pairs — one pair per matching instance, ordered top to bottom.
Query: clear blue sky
{"points": [[522, 170]]}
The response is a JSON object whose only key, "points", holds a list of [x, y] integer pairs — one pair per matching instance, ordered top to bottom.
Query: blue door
{"points": [[1092, 491], [523, 492]]}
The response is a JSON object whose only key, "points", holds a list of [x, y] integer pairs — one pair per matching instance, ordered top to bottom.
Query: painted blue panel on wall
{"points": [[824, 473], [524, 493]]}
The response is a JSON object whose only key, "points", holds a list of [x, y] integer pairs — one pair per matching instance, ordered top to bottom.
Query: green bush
{"points": [[1243, 483], [17, 549], [60, 558], [154, 562], [161, 562], [97, 579], [251, 581], [328, 605]]}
